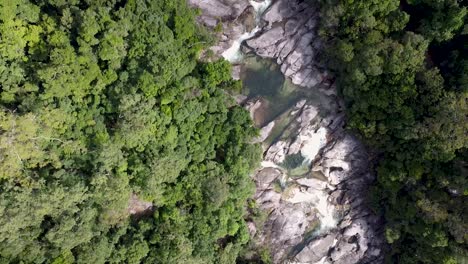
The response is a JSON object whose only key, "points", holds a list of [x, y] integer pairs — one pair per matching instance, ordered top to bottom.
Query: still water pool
{"points": [[263, 79]]}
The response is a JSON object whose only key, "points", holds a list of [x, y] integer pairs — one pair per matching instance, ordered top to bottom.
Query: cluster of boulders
{"points": [[289, 36], [317, 210], [321, 215]]}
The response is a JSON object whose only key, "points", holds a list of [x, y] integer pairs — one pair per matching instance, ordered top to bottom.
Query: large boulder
{"points": [[317, 250]]}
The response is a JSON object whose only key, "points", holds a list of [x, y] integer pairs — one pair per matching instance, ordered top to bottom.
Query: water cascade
{"points": [[260, 7], [234, 54], [313, 141]]}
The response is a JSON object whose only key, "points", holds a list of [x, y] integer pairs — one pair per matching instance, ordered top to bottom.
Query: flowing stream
{"points": [[260, 7], [234, 54], [263, 79]]}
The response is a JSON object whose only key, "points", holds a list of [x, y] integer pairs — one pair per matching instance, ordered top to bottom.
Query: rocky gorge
{"points": [[313, 182]]}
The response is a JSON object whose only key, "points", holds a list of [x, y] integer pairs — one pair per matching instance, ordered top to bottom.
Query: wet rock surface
{"points": [[234, 16], [315, 176], [319, 214]]}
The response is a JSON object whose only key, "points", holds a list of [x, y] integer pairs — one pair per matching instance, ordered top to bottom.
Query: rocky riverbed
{"points": [[314, 178]]}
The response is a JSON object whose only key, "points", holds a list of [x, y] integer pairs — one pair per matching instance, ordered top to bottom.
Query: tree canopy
{"points": [[401, 67], [105, 100]]}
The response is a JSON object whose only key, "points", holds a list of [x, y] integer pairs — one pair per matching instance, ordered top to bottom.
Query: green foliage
{"points": [[439, 19], [401, 72], [103, 101], [392, 235]]}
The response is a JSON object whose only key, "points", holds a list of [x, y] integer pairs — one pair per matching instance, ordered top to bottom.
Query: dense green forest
{"points": [[402, 67], [104, 100], [104, 104]]}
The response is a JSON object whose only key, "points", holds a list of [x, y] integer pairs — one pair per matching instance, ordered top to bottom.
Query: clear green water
{"points": [[263, 78]]}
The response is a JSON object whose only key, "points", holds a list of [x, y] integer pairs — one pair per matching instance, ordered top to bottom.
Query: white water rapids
{"points": [[260, 7], [234, 54], [313, 142], [319, 198]]}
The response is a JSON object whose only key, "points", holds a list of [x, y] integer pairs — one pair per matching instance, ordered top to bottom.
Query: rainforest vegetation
{"points": [[402, 67], [104, 106], [118, 145]]}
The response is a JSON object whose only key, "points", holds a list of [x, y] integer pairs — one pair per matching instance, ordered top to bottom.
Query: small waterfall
{"points": [[260, 7], [234, 54], [313, 142], [326, 212]]}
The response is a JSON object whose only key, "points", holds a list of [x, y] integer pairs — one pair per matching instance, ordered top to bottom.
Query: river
{"points": [[313, 178]]}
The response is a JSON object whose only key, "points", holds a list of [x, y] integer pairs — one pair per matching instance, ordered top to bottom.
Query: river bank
{"points": [[314, 177]]}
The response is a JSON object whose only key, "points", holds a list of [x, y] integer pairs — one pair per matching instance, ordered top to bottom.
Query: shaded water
{"points": [[262, 78]]}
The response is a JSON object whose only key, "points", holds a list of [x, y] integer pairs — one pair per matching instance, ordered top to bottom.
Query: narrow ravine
{"points": [[314, 175]]}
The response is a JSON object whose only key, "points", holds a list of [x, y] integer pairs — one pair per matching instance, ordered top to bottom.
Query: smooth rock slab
{"points": [[265, 44], [264, 132], [316, 250]]}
